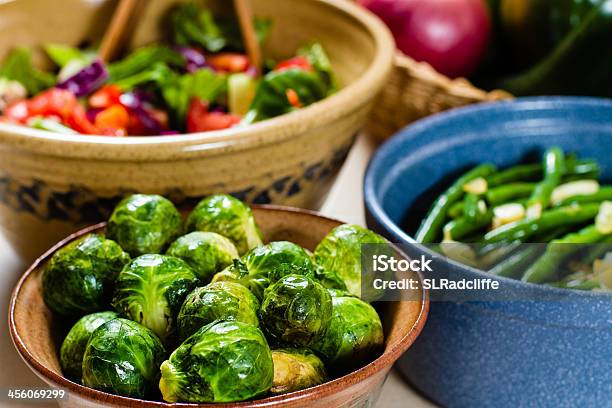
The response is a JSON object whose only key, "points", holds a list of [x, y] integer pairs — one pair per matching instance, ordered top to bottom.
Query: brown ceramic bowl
{"points": [[53, 184], [37, 335]]}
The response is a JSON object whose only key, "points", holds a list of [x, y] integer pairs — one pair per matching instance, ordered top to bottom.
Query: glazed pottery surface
{"points": [[51, 183], [37, 333], [552, 347]]}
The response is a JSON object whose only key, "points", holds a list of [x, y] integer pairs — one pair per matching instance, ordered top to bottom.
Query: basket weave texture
{"points": [[416, 90]]}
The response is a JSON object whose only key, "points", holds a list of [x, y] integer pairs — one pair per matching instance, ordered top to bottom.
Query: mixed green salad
{"points": [[199, 80], [559, 202], [205, 311]]}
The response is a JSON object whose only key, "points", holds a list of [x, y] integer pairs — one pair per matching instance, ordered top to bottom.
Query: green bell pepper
{"points": [[533, 28], [579, 65]]}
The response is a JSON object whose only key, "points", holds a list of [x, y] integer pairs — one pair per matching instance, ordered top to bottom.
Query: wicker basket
{"points": [[416, 90]]}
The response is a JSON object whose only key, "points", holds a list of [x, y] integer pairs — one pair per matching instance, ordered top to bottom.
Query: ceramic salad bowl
{"points": [[52, 183]]}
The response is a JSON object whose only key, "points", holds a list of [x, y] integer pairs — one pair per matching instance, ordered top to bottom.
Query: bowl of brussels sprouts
{"points": [[189, 57], [236, 305], [552, 315]]}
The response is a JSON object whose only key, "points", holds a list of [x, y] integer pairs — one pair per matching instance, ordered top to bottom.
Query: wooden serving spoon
{"points": [[121, 25], [249, 36]]}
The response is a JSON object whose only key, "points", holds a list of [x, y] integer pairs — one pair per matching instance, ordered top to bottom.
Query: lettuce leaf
{"points": [[193, 25], [316, 55], [144, 60], [18, 67], [178, 90], [271, 97]]}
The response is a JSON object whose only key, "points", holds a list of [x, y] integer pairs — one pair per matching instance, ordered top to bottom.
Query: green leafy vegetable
{"points": [[193, 25], [62, 55], [316, 55], [142, 60], [18, 67], [178, 90], [271, 98], [226, 216], [144, 224], [205, 252], [339, 253], [266, 264], [79, 277], [151, 289], [217, 301], [296, 310], [354, 334], [73, 346], [123, 357], [221, 362], [296, 369]]}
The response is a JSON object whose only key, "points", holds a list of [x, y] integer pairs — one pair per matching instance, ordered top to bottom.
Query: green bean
{"points": [[554, 165], [580, 169], [522, 172], [533, 172], [509, 192], [604, 194], [474, 207], [456, 210], [557, 217], [463, 227], [430, 228], [490, 251], [597, 251], [491, 254], [514, 265], [546, 268]]}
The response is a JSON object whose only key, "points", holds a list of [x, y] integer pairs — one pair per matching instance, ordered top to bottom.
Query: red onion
{"points": [[451, 35], [194, 58], [86, 80]]}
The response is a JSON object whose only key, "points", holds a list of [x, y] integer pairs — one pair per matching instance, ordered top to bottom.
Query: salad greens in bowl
{"points": [[197, 79], [276, 138], [269, 328]]}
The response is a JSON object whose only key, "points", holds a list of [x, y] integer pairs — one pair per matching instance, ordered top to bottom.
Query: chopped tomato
{"points": [[229, 62], [295, 62], [106, 96], [293, 98], [54, 101], [17, 111], [113, 117], [199, 119], [79, 122], [135, 126]]}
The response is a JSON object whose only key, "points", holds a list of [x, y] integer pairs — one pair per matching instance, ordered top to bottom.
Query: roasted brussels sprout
{"points": [[229, 217], [144, 224], [205, 252], [340, 252], [266, 264], [79, 277], [151, 289], [217, 301], [296, 310], [354, 334], [73, 346], [123, 357], [221, 362], [296, 369]]}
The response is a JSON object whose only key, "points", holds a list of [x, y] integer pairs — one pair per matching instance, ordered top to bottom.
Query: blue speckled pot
{"points": [[548, 353]]}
